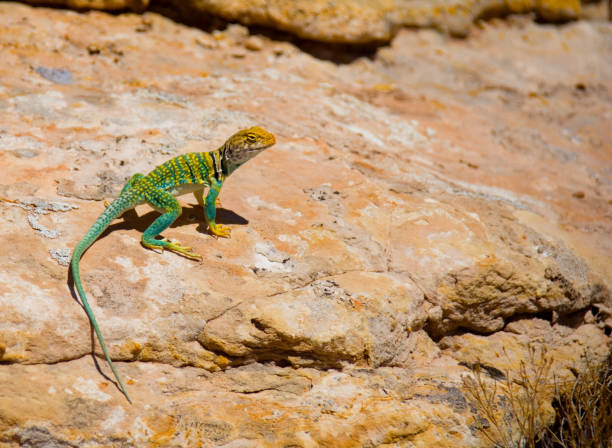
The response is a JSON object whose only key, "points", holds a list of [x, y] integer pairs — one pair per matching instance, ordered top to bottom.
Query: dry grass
{"points": [[511, 407], [584, 408], [516, 412]]}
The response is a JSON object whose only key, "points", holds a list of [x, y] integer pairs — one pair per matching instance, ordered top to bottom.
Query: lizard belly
{"points": [[179, 190]]}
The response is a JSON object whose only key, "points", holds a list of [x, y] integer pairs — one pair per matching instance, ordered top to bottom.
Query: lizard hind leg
{"points": [[171, 210]]}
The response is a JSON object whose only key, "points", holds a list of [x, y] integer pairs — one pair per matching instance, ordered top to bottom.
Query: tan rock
{"points": [[106, 5], [349, 21], [361, 21], [254, 43], [415, 216], [361, 318], [507, 350], [318, 408]]}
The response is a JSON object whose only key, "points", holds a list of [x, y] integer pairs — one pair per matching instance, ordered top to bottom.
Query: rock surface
{"points": [[343, 21], [362, 21], [440, 204]]}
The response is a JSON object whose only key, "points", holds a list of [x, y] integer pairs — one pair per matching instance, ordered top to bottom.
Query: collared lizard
{"points": [[187, 173]]}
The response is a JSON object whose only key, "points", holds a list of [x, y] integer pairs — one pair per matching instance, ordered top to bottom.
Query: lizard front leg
{"points": [[210, 209]]}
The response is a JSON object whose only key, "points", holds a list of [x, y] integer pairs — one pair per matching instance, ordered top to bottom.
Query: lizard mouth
{"points": [[259, 148]]}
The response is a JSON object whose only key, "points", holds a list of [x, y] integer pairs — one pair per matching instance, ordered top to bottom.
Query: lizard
{"points": [[186, 173]]}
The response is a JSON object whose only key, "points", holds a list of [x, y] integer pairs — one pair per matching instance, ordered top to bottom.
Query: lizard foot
{"points": [[218, 203], [220, 230], [173, 247], [183, 250]]}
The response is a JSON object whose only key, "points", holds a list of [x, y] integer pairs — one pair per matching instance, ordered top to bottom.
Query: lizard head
{"points": [[244, 145]]}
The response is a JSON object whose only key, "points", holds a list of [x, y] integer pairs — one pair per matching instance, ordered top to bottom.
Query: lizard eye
{"points": [[251, 138]]}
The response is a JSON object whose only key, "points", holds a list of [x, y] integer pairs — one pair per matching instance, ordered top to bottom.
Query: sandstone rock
{"points": [[107, 5], [347, 21], [254, 43], [415, 217], [360, 318], [507, 350]]}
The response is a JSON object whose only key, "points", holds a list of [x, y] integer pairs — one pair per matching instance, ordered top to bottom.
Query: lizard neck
{"points": [[214, 163], [225, 165]]}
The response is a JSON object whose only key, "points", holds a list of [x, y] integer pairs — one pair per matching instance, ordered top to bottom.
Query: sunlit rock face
{"points": [[341, 21], [434, 205]]}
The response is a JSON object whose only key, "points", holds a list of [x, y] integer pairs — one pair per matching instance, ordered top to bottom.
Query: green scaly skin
{"points": [[187, 173]]}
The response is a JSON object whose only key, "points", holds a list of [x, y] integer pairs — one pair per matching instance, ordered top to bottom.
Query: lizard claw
{"points": [[220, 230], [165, 244], [183, 250]]}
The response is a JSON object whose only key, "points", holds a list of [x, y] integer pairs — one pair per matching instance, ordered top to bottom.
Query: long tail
{"points": [[115, 209]]}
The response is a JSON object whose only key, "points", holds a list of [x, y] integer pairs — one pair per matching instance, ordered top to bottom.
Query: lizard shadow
{"points": [[191, 214], [131, 220], [74, 295]]}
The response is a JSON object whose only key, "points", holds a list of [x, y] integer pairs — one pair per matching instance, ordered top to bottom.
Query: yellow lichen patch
{"points": [[519, 6], [557, 7], [136, 83], [382, 87], [437, 104], [133, 347], [146, 353], [178, 353], [13, 357], [222, 361], [163, 429]]}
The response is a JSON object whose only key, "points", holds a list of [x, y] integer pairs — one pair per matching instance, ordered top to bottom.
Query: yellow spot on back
{"points": [[209, 161]]}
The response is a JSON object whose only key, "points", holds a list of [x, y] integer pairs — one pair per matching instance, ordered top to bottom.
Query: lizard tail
{"points": [[115, 209]]}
